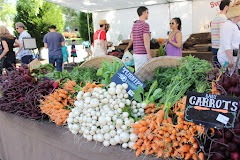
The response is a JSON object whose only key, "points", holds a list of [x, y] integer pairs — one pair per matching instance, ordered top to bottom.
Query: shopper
{"points": [[216, 25], [230, 37], [100, 39], [141, 39], [54, 41], [174, 42], [87, 47], [73, 50], [25, 55], [65, 56], [7, 57]]}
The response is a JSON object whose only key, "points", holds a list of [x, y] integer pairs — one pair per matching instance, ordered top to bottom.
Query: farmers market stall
{"points": [[174, 107]]}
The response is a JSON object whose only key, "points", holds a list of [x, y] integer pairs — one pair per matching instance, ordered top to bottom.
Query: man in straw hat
{"points": [[230, 37], [100, 39], [141, 39]]}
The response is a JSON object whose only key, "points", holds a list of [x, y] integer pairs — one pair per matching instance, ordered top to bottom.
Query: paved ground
{"points": [[81, 53]]}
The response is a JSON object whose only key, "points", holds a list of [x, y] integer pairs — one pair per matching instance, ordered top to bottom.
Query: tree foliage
{"points": [[7, 12], [38, 15], [70, 18], [83, 26]]}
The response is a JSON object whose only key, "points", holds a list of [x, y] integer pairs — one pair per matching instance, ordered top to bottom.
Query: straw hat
{"points": [[234, 11], [103, 21]]}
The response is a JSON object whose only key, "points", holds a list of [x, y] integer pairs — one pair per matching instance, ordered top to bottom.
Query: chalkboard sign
{"points": [[124, 75], [211, 110]]}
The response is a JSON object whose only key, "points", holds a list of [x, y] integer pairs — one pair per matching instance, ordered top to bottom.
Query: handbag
{"points": [[98, 50]]}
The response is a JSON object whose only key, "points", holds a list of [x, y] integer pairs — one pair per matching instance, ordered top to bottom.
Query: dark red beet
{"points": [[233, 80], [226, 84], [55, 85], [230, 90], [236, 91], [228, 134], [236, 139], [222, 140], [232, 147], [218, 156], [235, 156]]}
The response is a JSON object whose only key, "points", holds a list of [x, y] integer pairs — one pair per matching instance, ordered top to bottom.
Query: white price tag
{"points": [[223, 119]]}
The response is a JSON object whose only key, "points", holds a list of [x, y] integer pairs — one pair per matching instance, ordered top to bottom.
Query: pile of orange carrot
{"points": [[69, 86], [89, 87], [56, 104], [160, 136]]}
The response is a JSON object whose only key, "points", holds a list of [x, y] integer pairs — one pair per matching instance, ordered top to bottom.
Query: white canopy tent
{"points": [[196, 15]]}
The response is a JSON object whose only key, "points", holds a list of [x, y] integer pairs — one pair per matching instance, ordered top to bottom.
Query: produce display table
{"points": [[201, 55], [26, 139]]}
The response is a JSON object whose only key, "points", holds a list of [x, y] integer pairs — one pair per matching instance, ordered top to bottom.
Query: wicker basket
{"points": [[97, 61], [146, 72]]}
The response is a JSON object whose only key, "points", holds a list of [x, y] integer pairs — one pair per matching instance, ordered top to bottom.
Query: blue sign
{"points": [[124, 75]]}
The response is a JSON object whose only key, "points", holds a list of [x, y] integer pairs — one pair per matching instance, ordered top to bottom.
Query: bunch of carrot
{"points": [[69, 86], [90, 86], [54, 105], [160, 136]]}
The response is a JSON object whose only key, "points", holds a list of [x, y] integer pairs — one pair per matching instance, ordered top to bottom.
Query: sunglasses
{"points": [[171, 23]]}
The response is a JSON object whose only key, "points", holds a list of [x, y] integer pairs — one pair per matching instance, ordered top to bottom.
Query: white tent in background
{"points": [[196, 15]]}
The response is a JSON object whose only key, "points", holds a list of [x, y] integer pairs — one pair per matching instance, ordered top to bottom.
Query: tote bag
{"points": [[98, 50]]}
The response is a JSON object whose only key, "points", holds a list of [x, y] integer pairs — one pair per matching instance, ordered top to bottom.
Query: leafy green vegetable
{"points": [[161, 51], [108, 70], [191, 75], [147, 97]]}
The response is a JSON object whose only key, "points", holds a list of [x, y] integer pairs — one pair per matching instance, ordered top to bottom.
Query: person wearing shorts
{"points": [[87, 47], [73, 50]]}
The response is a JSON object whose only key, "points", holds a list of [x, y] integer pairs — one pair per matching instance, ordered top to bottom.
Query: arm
{"points": [[226, 35], [146, 39], [178, 39], [63, 43], [130, 43], [45, 45], [20, 46], [6, 49], [230, 57]]}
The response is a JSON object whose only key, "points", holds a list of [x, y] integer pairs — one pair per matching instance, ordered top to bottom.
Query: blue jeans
{"points": [[58, 59], [216, 64]]}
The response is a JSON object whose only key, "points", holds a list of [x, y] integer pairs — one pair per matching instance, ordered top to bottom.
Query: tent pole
{"points": [[88, 28]]}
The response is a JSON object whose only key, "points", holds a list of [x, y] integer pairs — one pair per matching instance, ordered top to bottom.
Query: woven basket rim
{"points": [[97, 61], [146, 72]]}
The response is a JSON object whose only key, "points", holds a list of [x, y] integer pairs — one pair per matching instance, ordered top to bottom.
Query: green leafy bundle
{"points": [[108, 70], [192, 75]]}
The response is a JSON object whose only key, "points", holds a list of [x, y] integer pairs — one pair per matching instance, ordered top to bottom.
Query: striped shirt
{"points": [[216, 25], [139, 28]]}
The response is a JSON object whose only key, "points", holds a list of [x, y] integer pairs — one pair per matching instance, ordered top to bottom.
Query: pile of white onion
{"points": [[98, 116]]}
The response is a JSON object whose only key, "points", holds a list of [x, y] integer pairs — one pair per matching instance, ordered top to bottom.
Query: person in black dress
{"points": [[7, 57]]}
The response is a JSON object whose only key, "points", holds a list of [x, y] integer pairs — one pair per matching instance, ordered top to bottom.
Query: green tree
{"points": [[7, 11], [38, 15], [70, 18], [83, 26]]}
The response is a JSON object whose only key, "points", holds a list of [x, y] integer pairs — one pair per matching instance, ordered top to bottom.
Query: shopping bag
{"points": [[128, 59], [34, 63]]}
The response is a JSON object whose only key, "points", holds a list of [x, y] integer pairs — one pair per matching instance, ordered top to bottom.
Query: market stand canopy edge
{"points": [[105, 5]]}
